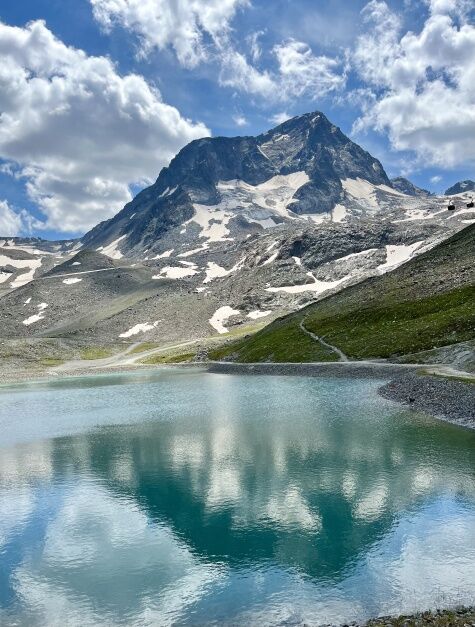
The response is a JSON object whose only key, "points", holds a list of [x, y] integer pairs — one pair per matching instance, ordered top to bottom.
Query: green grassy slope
{"points": [[428, 302], [281, 341]]}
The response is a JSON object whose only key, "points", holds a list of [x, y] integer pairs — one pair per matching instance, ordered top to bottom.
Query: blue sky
{"points": [[96, 96]]}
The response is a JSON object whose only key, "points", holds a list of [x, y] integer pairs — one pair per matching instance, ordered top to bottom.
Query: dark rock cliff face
{"points": [[309, 143], [406, 187], [460, 187]]}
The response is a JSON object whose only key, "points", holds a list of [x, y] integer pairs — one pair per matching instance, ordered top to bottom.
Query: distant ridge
{"points": [[406, 187], [461, 187]]}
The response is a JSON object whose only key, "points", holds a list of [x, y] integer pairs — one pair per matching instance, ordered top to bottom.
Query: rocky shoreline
{"points": [[354, 369], [448, 399], [459, 617]]}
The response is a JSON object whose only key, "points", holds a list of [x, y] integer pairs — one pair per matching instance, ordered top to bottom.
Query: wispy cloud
{"points": [[183, 25], [279, 118], [240, 120]]}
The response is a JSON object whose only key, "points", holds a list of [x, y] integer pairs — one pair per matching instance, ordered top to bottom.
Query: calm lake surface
{"points": [[182, 497]]}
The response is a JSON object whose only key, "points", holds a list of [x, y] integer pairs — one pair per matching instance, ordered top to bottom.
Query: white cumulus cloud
{"points": [[182, 25], [421, 83], [79, 131], [11, 222]]}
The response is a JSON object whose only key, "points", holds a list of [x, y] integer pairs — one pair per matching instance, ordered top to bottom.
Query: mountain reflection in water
{"points": [[208, 498]]}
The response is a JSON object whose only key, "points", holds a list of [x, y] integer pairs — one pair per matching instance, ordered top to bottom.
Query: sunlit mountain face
{"points": [[234, 230], [295, 498]]}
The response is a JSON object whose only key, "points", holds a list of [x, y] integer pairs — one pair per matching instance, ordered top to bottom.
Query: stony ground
{"points": [[447, 398], [462, 617]]}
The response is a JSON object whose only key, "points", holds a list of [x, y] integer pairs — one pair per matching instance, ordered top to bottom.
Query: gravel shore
{"points": [[354, 369], [448, 399], [460, 617]]}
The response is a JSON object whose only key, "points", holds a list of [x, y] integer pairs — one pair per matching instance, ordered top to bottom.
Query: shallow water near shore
{"points": [[182, 497]]}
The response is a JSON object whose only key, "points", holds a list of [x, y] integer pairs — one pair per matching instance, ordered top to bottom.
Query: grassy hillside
{"points": [[427, 303], [281, 341]]}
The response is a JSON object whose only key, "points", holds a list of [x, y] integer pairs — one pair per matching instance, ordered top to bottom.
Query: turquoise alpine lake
{"points": [[179, 497]]}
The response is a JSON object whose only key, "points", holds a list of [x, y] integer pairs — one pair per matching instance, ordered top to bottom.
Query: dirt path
{"points": [[79, 272], [335, 349], [155, 351], [125, 358], [79, 364]]}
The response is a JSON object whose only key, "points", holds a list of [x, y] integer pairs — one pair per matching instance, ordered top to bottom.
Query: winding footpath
{"points": [[335, 349]]}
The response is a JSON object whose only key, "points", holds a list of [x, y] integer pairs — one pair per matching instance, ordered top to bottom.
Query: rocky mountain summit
{"points": [[406, 187], [461, 187], [216, 188], [234, 232]]}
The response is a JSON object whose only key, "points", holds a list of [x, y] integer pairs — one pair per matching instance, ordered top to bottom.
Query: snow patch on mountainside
{"points": [[262, 152], [391, 190], [363, 191], [168, 192], [277, 193], [366, 194], [257, 203], [462, 212], [339, 213], [419, 214], [317, 218], [213, 221], [267, 223], [26, 248], [111, 249], [194, 251], [362, 253], [398, 254], [164, 255], [272, 258], [31, 265], [214, 271], [174, 272], [25, 278], [71, 281], [317, 286], [221, 316], [36, 317], [140, 328]]}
